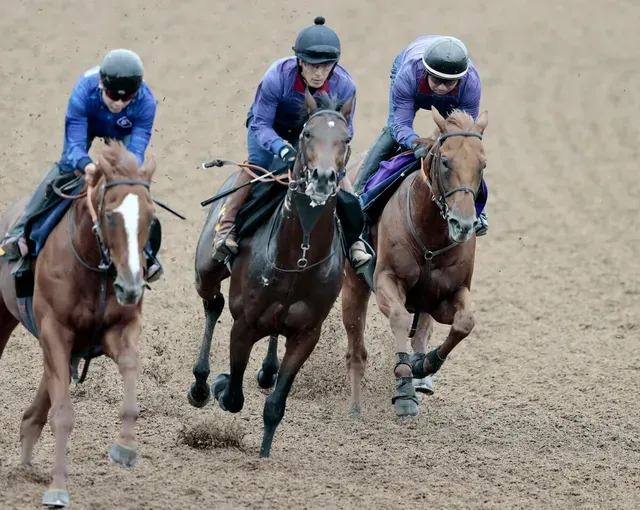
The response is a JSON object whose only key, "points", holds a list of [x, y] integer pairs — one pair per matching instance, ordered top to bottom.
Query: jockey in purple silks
{"points": [[431, 71], [274, 127]]}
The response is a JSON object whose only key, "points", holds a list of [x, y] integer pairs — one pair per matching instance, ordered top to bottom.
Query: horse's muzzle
{"points": [[321, 184], [461, 228], [127, 293]]}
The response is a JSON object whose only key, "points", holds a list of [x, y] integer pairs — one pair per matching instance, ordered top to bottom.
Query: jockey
{"points": [[431, 71], [109, 101], [273, 122]]}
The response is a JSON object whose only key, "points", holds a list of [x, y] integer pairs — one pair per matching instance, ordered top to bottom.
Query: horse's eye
{"points": [[307, 135], [445, 164], [108, 216]]}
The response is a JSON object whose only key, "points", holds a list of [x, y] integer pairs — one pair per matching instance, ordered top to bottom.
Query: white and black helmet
{"points": [[446, 58]]}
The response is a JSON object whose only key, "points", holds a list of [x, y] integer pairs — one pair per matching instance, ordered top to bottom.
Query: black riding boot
{"points": [[383, 147], [41, 199], [352, 220]]}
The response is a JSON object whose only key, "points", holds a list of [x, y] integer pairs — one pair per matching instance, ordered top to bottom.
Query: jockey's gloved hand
{"points": [[422, 146], [288, 154]]}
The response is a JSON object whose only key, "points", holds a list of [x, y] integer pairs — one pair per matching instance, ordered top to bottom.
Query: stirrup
{"points": [[224, 250]]}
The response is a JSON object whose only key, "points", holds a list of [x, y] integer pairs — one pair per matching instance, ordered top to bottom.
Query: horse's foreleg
{"points": [[355, 298], [391, 298], [457, 312], [57, 344], [420, 345], [121, 346], [298, 348], [269, 372], [227, 387], [198, 395], [33, 420]]}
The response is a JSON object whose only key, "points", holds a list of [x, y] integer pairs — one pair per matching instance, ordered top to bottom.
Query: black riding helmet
{"points": [[317, 44], [446, 58], [121, 72]]}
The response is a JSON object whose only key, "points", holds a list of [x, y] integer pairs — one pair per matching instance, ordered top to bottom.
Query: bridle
{"points": [[306, 173], [436, 173], [106, 262]]}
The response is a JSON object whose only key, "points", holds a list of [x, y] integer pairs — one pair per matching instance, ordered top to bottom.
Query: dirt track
{"points": [[537, 409]]}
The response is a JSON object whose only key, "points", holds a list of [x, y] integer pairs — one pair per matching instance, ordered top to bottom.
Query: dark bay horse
{"points": [[100, 239], [425, 249], [287, 275]]}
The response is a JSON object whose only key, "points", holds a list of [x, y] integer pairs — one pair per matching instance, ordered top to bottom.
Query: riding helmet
{"points": [[317, 44], [446, 58], [121, 72]]}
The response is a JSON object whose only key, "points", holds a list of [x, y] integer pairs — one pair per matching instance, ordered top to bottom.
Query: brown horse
{"points": [[425, 253], [287, 275], [74, 308]]}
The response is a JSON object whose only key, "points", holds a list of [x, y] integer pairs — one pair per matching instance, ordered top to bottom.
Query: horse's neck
{"points": [[425, 215], [290, 234]]}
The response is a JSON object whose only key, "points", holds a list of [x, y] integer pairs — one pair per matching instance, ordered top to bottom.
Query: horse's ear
{"points": [[310, 102], [347, 108], [438, 119], [482, 122], [148, 168], [93, 176]]}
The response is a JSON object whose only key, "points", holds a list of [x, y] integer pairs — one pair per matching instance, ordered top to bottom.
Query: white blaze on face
{"points": [[331, 123], [130, 211]]}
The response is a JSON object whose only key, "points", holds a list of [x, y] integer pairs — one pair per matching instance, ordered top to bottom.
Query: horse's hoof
{"points": [[266, 382], [424, 385], [218, 386], [198, 397], [405, 401], [406, 408], [356, 411], [123, 455], [26, 465], [56, 499]]}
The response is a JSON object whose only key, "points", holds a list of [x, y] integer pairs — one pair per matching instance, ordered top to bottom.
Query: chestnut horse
{"points": [[99, 239], [425, 250], [288, 274]]}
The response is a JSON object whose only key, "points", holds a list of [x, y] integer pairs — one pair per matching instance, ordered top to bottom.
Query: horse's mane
{"points": [[324, 102], [460, 119], [123, 163]]}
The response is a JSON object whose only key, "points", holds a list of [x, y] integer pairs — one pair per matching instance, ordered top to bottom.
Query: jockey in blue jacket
{"points": [[431, 71], [109, 101], [273, 124]]}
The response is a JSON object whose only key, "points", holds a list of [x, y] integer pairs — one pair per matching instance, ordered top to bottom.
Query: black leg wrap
{"points": [[417, 363]]}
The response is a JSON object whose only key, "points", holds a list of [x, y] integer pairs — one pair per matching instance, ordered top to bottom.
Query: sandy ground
{"points": [[537, 409]]}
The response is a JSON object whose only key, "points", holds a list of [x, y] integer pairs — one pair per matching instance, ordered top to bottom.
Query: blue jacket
{"points": [[88, 117]]}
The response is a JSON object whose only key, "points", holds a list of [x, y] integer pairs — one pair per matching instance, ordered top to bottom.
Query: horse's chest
{"points": [[435, 285]]}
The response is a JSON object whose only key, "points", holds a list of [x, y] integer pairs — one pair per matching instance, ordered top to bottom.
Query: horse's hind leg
{"points": [[355, 298], [457, 312], [420, 344], [298, 348], [269, 372], [227, 387], [199, 393], [33, 420]]}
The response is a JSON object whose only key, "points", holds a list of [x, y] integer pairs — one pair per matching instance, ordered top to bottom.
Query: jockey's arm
{"points": [[403, 104], [264, 114], [76, 128], [142, 129]]}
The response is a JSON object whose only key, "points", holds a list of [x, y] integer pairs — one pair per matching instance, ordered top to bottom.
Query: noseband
{"points": [[436, 171]]}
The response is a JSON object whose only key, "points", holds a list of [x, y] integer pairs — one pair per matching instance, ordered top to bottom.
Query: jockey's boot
{"points": [[381, 149], [483, 224], [14, 243], [224, 243], [359, 255], [154, 268]]}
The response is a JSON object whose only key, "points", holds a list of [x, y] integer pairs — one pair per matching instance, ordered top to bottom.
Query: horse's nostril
{"points": [[314, 174], [454, 223]]}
